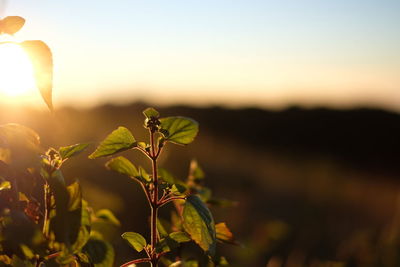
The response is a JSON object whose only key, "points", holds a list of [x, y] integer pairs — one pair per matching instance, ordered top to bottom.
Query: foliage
{"points": [[191, 221], [56, 227], [57, 230]]}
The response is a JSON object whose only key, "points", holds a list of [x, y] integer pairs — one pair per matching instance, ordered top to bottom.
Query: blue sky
{"points": [[265, 53]]}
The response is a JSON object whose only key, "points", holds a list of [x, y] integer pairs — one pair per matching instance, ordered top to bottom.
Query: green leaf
{"points": [[11, 24], [42, 62], [151, 113], [179, 130], [119, 140], [67, 152], [123, 166], [143, 175], [199, 223], [180, 237], [136, 240]]}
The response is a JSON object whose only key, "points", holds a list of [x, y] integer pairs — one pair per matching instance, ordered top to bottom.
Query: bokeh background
{"points": [[298, 104]]}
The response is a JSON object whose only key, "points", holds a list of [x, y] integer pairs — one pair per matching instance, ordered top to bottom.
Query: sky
{"points": [[268, 53]]}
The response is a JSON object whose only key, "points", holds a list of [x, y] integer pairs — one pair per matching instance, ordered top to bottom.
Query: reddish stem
{"points": [[165, 201], [135, 261]]}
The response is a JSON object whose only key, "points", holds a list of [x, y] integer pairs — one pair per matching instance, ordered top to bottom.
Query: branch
{"points": [[146, 192], [164, 195], [165, 201], [54, 255], [135, 261]]}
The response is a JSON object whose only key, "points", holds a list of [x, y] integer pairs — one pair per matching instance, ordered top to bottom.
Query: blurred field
{"points": [[314, 187]]}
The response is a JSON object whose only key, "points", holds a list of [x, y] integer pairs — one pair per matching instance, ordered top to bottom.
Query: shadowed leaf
{"points": [[42, 62], [179, 130], [119, 140], [22, 143], [100, 252]]}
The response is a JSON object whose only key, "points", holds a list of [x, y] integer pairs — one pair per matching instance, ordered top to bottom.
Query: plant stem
{"points": [[47, 201], [165, 201], [154, 204], [134, 262]]}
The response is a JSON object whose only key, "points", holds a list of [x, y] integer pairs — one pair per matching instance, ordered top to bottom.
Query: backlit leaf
{"points": [[11, 24], [42, 62], [151, 112], [179, 130], [119, 140], [70, 151], [123, 166], [144, 175], [4, 185], [199, 223], [224, 234], [136, 240]]}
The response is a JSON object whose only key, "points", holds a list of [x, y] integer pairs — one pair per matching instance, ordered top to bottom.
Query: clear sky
{"points": [[231, 52]]}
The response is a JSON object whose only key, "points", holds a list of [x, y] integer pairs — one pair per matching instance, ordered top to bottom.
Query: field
{"points": [[314, 187]]}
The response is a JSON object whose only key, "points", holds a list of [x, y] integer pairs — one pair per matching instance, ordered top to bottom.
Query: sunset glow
{"points": [[241, 53], [16, 72]]}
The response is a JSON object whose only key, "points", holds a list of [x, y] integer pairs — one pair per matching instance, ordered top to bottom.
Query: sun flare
{"points": [[16, 74]]}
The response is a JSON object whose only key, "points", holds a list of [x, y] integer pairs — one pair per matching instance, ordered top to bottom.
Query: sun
{"points": [[16, 73]]}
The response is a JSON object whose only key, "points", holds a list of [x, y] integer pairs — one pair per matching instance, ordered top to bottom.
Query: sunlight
{"points": [[16, 74]]}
